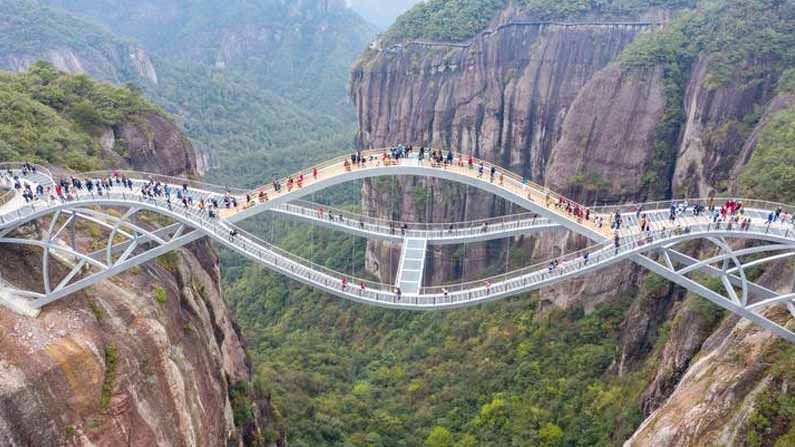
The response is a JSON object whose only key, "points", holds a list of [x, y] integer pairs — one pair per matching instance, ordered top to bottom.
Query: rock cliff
{"points": [[124, 63], [504, 98], [556, 105], [152, 357]]}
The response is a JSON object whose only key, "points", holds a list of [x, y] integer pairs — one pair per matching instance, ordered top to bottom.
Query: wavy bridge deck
{"points": [[129, 243]]}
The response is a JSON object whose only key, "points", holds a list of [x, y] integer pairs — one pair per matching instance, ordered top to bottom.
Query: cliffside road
{"points": [[519, 24], [655, 228]]}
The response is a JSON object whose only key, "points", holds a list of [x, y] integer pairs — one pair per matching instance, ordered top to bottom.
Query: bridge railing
{"points": [[308, 171], [165, 179], [513, 179], [754, 204], [313, 210], [257, 244], [598, 253], [456, 293]]}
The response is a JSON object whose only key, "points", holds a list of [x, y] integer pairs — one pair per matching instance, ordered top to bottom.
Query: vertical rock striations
{"points": [[505, 98]]}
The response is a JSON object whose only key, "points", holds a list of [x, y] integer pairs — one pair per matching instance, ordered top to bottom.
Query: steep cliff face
{"points": [[121, 64], [504, 98], [617, 111], [719, 120], [149, 358], [721, 391]]}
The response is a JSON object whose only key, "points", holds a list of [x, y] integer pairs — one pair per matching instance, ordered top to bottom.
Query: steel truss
{"points": [[127, 244], [736, 293]]}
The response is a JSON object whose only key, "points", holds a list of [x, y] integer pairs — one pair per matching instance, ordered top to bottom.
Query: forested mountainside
{"points": [[29, 33], [301, 50], [253, 84], [598, 111], [152, 357]]}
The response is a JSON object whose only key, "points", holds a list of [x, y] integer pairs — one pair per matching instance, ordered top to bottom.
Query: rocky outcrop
{"points": [[76, 46], [122, 64], [505, 98], [616, 112], [719, 120], [153, 143], [151, 357], [715, 398]]}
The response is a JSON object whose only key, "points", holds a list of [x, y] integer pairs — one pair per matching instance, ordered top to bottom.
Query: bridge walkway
{"points": [[412, 265]]}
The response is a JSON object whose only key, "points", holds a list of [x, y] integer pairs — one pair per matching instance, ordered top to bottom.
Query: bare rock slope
{"points": [[150, 358]]}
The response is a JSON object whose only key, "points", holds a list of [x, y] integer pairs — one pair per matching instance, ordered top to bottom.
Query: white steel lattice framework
{"points": [[133, 235]]}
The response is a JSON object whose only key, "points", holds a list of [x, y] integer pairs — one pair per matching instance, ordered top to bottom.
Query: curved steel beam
{"points": [[121, 222], [52, 246], [724, 246], [109, 249], [742, 252], [764, 261], [45, 262], [772, 301]]}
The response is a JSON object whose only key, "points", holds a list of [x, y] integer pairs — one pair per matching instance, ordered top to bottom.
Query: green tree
{"points": [[770, 174], [550, 435], [439, 437]]}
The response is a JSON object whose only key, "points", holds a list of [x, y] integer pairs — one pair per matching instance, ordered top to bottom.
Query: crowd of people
{"points": [[20, 184], [732, 212]]}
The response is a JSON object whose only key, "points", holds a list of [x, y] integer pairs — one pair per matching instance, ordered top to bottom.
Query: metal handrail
{"points": [[19, 166], [166, 179], [718, 201], [309, 209], [457, 293]]}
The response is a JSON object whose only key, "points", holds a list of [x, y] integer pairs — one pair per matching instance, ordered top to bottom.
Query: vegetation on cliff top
{"points": [[457, 20], [27, 26], [742, 41], [50, 116], [770, 174]]}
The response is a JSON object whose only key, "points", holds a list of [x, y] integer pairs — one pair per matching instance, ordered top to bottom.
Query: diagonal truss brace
{"points": [[744, 311]]}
